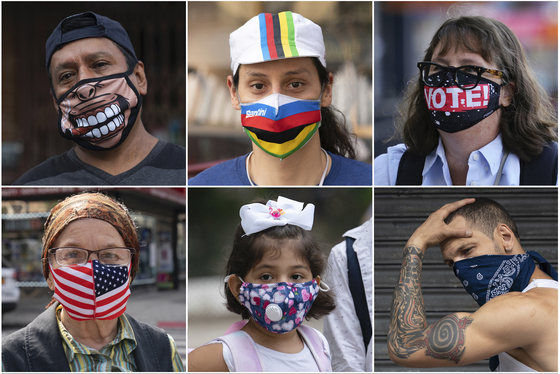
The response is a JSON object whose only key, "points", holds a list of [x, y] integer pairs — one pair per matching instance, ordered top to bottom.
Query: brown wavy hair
{"points": [[526, 125], [248, 251]]}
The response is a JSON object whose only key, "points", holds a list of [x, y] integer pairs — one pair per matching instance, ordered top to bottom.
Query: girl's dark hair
{"points": [[526, 125], [334, 136], [248, 251]]}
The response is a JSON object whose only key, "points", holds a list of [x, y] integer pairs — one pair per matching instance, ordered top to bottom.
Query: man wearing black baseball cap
{"points": [[97, 83]]}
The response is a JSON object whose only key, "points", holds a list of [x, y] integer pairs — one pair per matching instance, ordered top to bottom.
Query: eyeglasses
{"points": [[466, 77], [67, 256]]}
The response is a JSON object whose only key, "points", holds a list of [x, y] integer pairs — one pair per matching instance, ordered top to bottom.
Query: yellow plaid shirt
{"points": [[115, 356]]}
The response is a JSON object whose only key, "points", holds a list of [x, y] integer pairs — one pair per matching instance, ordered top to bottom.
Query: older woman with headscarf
{"points": [[90, 257]]}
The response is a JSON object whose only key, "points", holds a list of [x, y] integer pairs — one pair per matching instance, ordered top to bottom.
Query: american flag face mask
{"points": [[92, 291]]}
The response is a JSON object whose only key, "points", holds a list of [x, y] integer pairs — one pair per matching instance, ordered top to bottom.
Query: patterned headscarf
{"points": [[90, 205]]}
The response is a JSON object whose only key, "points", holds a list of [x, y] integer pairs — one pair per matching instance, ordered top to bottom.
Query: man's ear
{"points": [[139, 78], [233, 93], [506, 237], [234, 284]]}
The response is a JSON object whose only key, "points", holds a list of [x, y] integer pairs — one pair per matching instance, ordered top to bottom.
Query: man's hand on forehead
{"points": [[434, 230]]}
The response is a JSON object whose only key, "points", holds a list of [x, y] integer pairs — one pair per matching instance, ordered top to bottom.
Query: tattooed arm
{"points": [[409, 331], [459, 338]]}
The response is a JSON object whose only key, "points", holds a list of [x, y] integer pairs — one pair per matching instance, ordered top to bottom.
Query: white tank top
{"points": [[508, 363]]}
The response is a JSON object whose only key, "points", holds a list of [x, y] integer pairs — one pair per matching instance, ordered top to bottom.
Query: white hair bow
{"points": [[258, 217]]}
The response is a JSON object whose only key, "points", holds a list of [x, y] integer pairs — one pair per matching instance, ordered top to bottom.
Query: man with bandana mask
{"points": [[97, 83], [475, 114], [517, 292]]}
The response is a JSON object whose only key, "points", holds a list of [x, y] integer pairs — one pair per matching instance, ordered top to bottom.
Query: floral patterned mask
{"points": [[279, 307]]}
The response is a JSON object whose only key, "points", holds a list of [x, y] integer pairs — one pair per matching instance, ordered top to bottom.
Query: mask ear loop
{"points": [[226, 279], [326, 285]]}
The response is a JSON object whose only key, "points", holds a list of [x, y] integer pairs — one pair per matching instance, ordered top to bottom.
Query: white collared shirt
{"points": [[484, 164], [342, 326]]}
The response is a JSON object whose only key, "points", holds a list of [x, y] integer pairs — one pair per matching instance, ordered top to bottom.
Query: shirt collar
{"points": [[492, 152], [124, 332]]}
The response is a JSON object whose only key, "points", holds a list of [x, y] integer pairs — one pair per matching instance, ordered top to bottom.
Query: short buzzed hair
{"points": [[484, 215]]}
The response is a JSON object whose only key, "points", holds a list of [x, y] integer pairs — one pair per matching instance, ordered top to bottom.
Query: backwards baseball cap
{"points": [[94, 26], [276, 36]]}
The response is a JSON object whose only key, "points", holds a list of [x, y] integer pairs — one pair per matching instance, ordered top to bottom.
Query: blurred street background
{"points": [[403, 31], [214, 126], [337, 210], [158, 294]]}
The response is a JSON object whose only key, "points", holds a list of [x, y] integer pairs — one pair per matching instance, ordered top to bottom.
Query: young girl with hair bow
{"points": [[274, 282]]}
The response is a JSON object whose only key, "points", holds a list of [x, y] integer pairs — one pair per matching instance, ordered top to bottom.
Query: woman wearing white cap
{"points": [[281, 85]]}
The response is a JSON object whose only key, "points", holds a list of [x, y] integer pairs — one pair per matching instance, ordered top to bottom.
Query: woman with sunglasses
{"points": [[475, 116]]}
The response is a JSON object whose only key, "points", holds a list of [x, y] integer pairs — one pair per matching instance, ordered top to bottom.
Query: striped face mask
{"points": [[279, 124], [92, 291]]}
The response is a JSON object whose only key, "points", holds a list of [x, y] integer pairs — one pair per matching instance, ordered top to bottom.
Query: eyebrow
{"points": [[89, 58], [463, 62], [299, 71], [458, 249], [267, 266]]}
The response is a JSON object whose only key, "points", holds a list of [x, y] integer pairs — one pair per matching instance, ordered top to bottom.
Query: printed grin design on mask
{"points": [[99, 113], [102, 122]]}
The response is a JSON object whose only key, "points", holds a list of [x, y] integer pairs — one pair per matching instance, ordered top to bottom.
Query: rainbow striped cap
{"points": [[276, 36]]}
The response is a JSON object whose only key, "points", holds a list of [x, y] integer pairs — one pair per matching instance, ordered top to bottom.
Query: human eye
{"points": [[100, 64], [434, 69], [470, 69], [64, 77], [295, 84], [257, 86], [466, 251], [108, 255], [70, 256], [266, 277], [297, 277]]}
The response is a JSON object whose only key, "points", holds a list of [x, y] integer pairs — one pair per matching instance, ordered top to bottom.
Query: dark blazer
{"points": [[38, 346]]}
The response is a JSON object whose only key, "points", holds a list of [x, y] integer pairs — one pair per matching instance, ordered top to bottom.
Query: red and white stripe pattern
{"points": [[92, 291]]}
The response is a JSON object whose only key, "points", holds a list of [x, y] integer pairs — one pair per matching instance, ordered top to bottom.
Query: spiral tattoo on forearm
{"points": [[408, 330]]}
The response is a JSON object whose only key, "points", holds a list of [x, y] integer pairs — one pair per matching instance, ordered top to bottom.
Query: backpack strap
{"points": [[410, 169], [542, 169], [356, 285], [316, 346], [244, 352]]}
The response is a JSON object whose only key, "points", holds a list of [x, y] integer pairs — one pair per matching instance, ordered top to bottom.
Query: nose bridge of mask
{"points": [[450, 77]]}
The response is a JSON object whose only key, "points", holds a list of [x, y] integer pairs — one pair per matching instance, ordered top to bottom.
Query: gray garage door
{"points": [[399, 211]]}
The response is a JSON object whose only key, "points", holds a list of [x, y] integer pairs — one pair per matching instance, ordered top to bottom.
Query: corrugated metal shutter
{"points": [[399, 211]]}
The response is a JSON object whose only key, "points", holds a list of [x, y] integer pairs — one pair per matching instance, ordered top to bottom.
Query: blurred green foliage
{"points": [[213, 215]]}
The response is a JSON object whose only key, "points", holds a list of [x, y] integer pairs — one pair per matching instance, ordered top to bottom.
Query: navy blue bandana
{"points": [[485, 277]]}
